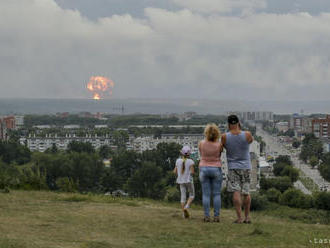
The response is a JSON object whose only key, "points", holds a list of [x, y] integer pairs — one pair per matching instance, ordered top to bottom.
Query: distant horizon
{"points": [[157, 98], [157, 106]]}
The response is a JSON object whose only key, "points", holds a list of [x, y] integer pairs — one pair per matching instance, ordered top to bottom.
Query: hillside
{"points": [[31, 219]]}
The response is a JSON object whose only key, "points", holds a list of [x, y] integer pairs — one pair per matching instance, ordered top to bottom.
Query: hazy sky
{"points": [[223, 49]]}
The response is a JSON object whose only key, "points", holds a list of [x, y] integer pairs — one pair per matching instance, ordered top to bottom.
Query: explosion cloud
{"points": [[101, 87]]}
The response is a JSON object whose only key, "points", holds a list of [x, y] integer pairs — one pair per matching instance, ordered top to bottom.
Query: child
{"points": [[184, 168]]}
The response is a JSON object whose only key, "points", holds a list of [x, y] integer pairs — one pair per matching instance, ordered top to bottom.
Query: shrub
{"points": [[284, 159], [278, 168], [324, 169], [291, 172], [9, 176], [32, 178], [145, 182], [279, 183], [66, 184], [172, 194], [273, 195], [226, 198], [296, 198], [322, 200], [258, 202], [307, 202]]}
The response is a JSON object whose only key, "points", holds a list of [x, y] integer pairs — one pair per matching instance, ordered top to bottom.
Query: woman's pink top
{"points": [[210, 153]]}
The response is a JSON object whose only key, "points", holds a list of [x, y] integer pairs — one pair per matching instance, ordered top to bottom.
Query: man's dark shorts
{"points": [[239, 180]]}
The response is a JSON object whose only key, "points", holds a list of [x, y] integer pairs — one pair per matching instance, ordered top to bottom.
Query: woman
{"points": [[210, 173]]}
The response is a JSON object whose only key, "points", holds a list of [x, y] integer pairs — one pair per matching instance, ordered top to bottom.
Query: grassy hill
{"points": [[45, 219]]}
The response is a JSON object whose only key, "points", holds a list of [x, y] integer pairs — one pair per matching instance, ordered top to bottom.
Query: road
{"points": [[275, 148], [299, 185]]}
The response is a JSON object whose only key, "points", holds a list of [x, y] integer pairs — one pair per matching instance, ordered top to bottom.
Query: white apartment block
{"points": [[42, 144], [141, 144]]}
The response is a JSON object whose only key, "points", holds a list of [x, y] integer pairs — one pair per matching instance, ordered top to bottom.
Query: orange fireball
{"points": [[100, 87]]}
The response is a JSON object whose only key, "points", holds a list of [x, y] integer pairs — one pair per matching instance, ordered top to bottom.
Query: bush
{"points": [[284, 159], [279, 167], [324, 169], [291, 172], [32, 178], [145, 182], [279, 183], [66, 184], [172, 194], [273, 195], [226, 198], [296, 198], [322, 200], [258, 202], [307, 202]]}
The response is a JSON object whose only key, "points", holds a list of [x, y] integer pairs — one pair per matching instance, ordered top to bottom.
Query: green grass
{"points": [[31, 219]]}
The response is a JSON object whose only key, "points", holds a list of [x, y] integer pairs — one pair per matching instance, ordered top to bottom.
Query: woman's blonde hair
{"points": [[212, 132]]}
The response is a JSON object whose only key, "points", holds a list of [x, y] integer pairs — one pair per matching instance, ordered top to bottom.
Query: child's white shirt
{"points": [[184, 177]]}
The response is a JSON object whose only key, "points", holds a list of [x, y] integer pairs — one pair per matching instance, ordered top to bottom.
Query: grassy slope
{"points": [[46, 219]]}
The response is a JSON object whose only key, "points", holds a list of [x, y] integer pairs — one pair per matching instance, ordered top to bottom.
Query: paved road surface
{"points": [[299, 185]]}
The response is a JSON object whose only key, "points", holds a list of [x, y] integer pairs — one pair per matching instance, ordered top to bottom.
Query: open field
{"points": [[45, 219]]}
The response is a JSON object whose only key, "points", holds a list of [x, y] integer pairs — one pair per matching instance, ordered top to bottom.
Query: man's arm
{"points": [[249, 137]]}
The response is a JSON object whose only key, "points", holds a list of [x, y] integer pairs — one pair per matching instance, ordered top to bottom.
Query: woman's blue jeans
{"points": [[211, 180]]}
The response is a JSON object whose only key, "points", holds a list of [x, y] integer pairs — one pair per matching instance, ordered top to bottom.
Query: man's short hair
{"points": [[233, 119]]}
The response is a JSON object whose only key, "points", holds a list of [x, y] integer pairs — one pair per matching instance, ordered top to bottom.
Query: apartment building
{"points": [[254, 116], [8, 123], [301, 124], [282, 126], [320, 127], [41, 144], [141, 144]]}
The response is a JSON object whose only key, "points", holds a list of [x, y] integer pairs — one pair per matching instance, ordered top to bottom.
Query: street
{"points": [[275, 148]]}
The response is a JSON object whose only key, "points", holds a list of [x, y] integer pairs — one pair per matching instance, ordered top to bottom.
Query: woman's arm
{"points": [[175, 171]]}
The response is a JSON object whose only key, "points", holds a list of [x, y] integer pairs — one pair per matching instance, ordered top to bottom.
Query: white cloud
{"points": [[222, 6], [46, 51]]}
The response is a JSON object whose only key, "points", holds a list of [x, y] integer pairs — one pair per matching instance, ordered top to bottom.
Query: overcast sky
{"points": [[223, 49]]}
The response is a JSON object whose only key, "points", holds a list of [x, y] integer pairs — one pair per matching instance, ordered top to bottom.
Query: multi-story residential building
{"points": [[254, 116], [19, 121], [10, 122], [7, 123], [301, 124], [43, 126], [72, 126], [282, 126], [321, 127], [3, 130], [41, 144], [141, 144], [326, 145]]}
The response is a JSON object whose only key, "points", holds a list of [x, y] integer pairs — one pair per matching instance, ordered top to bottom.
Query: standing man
{"points": [[237, 145]]}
